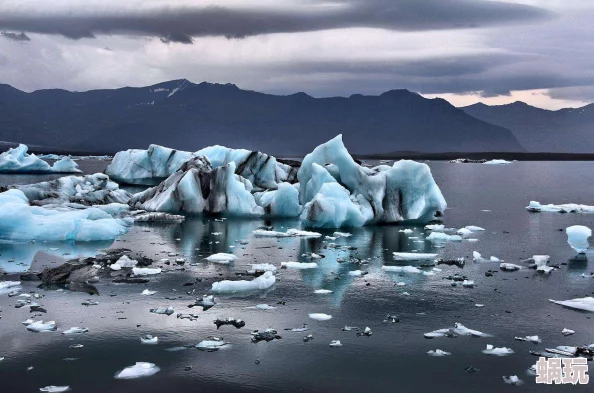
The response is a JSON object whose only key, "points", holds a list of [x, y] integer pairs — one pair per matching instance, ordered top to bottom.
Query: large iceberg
{"points": [[16, 160], [150, 167], [195, 188], [86, 190], [333, 190], [404, 192], [20, 221]]}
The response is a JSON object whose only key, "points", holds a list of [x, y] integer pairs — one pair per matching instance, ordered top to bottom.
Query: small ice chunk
{"points": [[497, 161], [435, 227], [474, 228], [407, 230], [464, 232], [290, 233], [342, 234], [443, 237], [577, 237], [413, 256], [222, 257], [123, 262], [299, 265], [262, 267], [509, 267], [402, 269], [145, 271], [356, 273], [264, 281], [468, 284], [323, 291], [147, 292], [583, 303], [263, 307], [163, 311], [320, 316], [40, 326], [76, 330], [457, 330], [567, 332], [149, 339], [532, 339], [335, 343], [211, 344], [497, 351], [438, 353], [139, 370], [512, 380], [54, 389]]}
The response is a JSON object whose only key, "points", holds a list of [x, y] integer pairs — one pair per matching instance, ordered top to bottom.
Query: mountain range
{"points": [[189, 116], [566, 130]]}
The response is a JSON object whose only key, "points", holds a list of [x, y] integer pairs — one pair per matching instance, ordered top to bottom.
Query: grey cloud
{"points": [[179, 24], [15, 36]]}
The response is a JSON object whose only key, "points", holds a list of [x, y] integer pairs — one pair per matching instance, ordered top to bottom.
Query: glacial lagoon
{"points": [[393, 357]]}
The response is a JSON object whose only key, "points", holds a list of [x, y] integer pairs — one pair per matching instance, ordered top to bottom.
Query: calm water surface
{"points": [[392, 359]]}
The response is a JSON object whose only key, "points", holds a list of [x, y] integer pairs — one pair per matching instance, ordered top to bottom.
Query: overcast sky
{"points": [[537, 51]]}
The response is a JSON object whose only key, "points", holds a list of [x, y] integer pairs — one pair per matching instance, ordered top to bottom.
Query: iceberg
{"points": [[16, 160], [497, 162], [152, 166], [196, 188], [86, 190], [333, 190], [404, 192], [20, 221], [443, 237], [577, 237], [413, 256], [222, 257], [509, 267], [402, 269], [262, 282], [320, 316], [40, 326], [457, 330], [503, 351], [438, 353], [55, 389]]}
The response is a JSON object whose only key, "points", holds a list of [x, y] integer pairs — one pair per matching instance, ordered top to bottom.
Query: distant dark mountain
{"points": [[190, 116], [539, 130]]}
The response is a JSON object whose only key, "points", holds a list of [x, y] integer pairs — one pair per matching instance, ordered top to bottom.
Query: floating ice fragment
{"points": [[497, 162], [535, 206], [435, 227], [474, 228], [407, 230], [464, 232], [290, 233], [342, 234], [443, 237], [577, 237], [413, 256], [222, 257], [123, 262], [299, 265], [262, 267], [509, 267], [402, 269], [145, 271], [356, 273], [264, 281], [468, 284], [322, 291], [147, 292], [584, 303], [263, 307], [164, 311], [320, 316], [40, 326], [350, 328], [76, 330], [457, 330], [567, 332], [267, 335], [149, 339], [532, 339], [335, 343], [499, 351], [438, 353], [139, 370], [512, 380], [54, 389]]}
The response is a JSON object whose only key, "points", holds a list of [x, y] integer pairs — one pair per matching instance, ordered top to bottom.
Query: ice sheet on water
{"points": [[535, 206]]}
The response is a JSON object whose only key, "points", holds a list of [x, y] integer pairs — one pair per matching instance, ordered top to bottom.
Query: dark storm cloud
{"points": [[180, 23], [15, 36]]}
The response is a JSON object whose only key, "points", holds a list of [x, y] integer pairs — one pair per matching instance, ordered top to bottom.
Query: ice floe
{"points": [[17, 160], [497, 161], [535, 207], [289, 233], [443, 237], [413, 256], [299, 265], [509, 267], [401, 269], [145, 271], [262, 282], [40, 326], [75, 330], [457, 330], [567, 332], [149, 339], [532, 339], [335, 343], [438, 353], [512, 380], [55, 389]]}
